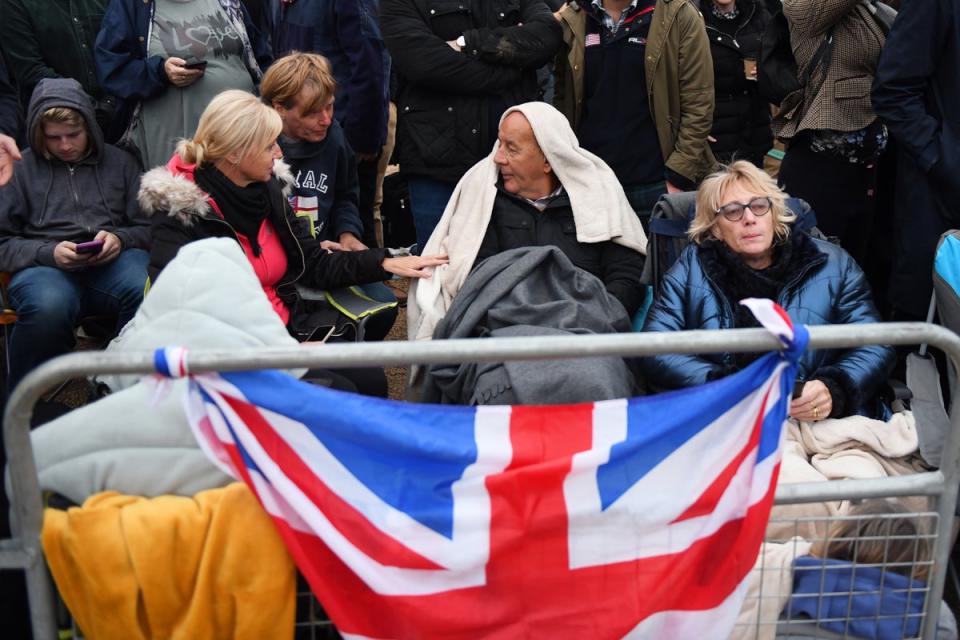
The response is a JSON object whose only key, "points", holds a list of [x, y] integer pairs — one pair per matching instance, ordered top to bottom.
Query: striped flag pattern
{"points": [[635, 518]]}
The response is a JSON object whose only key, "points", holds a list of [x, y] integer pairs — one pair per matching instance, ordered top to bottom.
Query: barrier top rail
{"points": [[24, 550]]}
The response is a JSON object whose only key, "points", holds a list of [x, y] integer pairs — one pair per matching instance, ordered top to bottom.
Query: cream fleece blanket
{"points": [[600, 211], [855, 447], [769, 588]]}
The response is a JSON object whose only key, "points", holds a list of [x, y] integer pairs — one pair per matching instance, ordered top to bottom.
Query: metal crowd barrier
{"points": [[24, 551]]}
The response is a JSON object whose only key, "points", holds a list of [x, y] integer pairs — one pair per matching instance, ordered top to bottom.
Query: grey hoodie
{"points": [[49, 201]]}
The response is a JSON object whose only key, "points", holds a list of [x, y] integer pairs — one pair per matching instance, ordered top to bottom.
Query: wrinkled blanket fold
{"points": [[856, 447], [211, 566]]}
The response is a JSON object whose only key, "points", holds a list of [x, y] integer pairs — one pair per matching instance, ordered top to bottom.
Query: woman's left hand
{"points": [[413, 266], [814, 403]]}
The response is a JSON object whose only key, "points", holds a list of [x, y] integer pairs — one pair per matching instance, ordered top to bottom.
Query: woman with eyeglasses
{"points": [[743, 246]]}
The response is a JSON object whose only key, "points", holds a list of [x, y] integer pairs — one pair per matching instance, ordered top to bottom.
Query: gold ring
{"points": [[816, 413]]}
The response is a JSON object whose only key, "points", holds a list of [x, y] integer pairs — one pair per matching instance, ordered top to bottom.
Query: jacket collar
{"points": [[172, 190], [805, 256]]}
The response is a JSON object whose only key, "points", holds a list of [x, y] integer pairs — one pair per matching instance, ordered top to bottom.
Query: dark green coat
{"points": [[51, 39]]}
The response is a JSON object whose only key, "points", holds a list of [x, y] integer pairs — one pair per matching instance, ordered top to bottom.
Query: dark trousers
{"points": [[841, 193]]}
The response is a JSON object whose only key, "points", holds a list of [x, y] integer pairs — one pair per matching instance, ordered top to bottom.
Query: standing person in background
{"points": [[347, 33], [48, 39], [172, 57], [459, 66], [636, 82], [916, 93], [741, 116], [833, 137]]}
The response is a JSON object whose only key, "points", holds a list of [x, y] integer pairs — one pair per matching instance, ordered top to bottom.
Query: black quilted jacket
{"points": [[449, 103], [741, 116]]}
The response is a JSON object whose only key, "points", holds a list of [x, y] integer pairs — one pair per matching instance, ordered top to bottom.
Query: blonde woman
{"points": [[228, 181], [743, 245]]}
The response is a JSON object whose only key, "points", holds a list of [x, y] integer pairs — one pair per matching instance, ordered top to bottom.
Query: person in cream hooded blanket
{"points": [[601, 212]]}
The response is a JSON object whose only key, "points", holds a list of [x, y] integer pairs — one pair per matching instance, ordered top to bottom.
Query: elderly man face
{"points": [[523, 167]]}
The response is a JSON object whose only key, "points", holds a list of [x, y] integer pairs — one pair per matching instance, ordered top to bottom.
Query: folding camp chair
{"points": [[670, 220], [97, 328], [923, 376]]}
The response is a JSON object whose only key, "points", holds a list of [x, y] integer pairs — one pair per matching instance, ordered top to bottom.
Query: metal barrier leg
{"points": [[40, 594]]}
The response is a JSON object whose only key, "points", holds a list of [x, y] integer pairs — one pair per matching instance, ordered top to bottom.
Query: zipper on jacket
{"points": [[76, 196], [303, 257]]}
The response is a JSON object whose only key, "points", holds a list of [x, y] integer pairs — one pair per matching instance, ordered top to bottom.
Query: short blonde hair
{"points": [[293, 73], [58, 115], [234, 122], [752, 179], [881, 532]]}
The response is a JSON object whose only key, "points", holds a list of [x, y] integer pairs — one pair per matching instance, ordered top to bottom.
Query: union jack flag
{"points": [[636, 518]]}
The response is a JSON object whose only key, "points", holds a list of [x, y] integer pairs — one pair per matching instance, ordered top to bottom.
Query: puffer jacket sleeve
{"points": [[530, 44], [122, 68], [691, 158], [669, 313], [866, 368]]}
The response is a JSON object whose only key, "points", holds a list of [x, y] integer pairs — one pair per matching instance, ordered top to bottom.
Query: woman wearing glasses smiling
{"points": [[744, 246]]}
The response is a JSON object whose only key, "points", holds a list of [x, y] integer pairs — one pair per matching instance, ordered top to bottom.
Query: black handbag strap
{"points": [[821, 58]]}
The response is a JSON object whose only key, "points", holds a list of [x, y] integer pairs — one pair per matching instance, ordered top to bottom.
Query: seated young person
{"points": [[301, 88], [536, 188], [70, 190]]}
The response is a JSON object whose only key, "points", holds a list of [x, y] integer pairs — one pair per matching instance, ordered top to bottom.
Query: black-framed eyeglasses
{"points": [[733, 211]]}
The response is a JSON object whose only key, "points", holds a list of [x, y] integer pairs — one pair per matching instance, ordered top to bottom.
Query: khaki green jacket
{"points": [[680, 95]]}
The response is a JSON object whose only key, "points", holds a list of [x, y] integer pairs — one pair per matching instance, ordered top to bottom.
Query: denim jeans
{"points": [[428, 199], [50, 301]]}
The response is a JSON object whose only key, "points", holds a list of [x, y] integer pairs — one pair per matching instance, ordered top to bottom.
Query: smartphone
{"points": [[195, 64], [94, 246], [798, 388]]}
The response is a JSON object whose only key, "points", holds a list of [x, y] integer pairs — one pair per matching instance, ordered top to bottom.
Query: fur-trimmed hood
{"points": [[171, 190]]}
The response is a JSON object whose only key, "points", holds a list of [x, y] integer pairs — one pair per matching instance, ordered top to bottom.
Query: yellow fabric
{"points": [[210, 566]]}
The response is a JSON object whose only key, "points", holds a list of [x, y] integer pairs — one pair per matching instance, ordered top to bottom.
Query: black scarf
{"points": [[243, 208], [737, 280]]}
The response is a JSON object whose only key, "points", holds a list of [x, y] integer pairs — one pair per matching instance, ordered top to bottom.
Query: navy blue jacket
{"points": [[346, 32], [120, 55], [916, 92], [325, 189], [829, 289]]}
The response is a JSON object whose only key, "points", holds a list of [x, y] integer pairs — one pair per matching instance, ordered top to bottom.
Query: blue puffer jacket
{"points": [[120, 54], [829, 288]]}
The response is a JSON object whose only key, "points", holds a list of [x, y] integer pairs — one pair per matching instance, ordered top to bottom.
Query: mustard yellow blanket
{"points": [[211, 566]]}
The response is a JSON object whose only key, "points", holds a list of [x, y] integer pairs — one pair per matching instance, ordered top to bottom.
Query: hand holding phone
{"points": [[194, 63], [93, 247], [798, 389]]}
